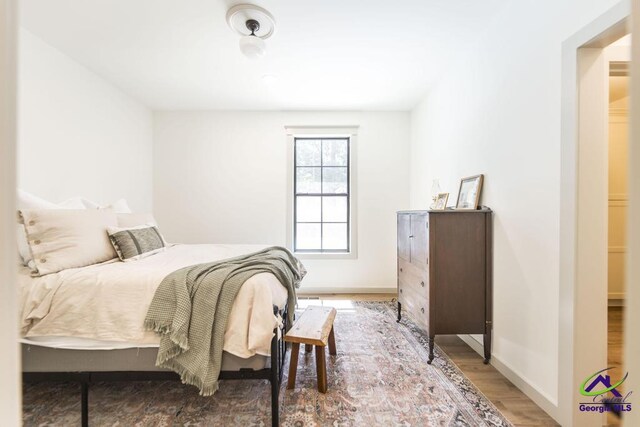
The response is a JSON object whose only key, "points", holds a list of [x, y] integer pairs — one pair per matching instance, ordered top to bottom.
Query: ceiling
{"points": [[324, 55]]}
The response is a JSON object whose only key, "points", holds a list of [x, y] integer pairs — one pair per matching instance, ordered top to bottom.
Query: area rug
{"points": [[380, 377]]}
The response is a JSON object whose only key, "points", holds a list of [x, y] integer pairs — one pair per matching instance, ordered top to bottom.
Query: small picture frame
{"points": [[469, 193], [441, 201]]}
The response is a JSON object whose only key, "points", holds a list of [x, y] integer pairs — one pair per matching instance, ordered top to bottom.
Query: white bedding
{"points": [[104, 305]]}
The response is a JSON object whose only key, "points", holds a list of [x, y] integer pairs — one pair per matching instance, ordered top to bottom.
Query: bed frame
{"points": [[273, 373]]}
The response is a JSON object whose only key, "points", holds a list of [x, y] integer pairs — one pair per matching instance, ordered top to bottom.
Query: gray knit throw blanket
{"points": [[191, 307]]}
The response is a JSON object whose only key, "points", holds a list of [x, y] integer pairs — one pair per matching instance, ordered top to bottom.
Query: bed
{"points": [[86, 324]]}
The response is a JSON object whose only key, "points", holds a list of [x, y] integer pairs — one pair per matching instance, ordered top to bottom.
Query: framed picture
{"points": [[469, 193], [441, 201]]}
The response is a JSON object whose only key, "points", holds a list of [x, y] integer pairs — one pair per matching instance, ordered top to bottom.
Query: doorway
{"points": [[618, 57], [584, 227]]}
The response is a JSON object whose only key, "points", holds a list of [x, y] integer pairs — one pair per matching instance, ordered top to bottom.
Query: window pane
{"points": [[308, 152], [335, 152], [308, 180], [334, 180], [308, 209], [334, 209], [308, 236], [334, 236]]}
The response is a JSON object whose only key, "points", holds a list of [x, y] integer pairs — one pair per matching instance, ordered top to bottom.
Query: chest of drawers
{"points": [[445, 272]]}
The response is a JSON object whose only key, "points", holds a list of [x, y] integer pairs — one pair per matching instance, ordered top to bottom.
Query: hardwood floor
{"points": [[615, 351], [513, 403]]}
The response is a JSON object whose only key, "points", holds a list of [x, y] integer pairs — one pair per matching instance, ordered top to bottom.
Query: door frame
{"points": [[583, 214], [632, 301], [11, 390]]}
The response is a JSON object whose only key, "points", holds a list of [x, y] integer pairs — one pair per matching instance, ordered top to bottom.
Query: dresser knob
{"points": [[400, 270], [422, 283], [400, 290], [422, 309]]}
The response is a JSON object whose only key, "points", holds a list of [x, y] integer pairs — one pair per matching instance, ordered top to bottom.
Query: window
{"points": [[322, 190]]}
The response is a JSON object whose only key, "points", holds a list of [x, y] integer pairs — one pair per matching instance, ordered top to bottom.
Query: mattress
{"points": [[102, 307], [73, 343], [37, 358]]}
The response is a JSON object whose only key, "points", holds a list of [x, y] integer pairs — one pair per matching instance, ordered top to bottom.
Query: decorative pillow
{"points": [[29, 201], [60, 239], [136, 242]]}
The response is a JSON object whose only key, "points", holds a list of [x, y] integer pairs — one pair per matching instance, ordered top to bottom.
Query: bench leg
{"points": [[332, 343], [308, 348], [293, 365], [321, 368]]}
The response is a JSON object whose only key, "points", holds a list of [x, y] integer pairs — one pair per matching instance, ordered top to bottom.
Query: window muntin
{"points": [[321, 207]]}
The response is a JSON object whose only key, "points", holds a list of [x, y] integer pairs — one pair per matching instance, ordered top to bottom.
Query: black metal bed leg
{"points": [[275, 381], [84, 406]]}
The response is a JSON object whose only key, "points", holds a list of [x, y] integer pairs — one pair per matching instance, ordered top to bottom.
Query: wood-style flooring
{"points": [[615, 351], [513, 403]]}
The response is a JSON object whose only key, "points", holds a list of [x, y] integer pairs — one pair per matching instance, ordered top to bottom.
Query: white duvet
{"points": [[109, 301]]}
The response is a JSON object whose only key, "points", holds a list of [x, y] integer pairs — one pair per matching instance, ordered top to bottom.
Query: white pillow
{"points": [[29, 201], [72, 203], [88, 204], [119, 206], [60, 239]]}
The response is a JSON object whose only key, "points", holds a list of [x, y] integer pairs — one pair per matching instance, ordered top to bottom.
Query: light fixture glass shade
{"points": [[253, 47]]}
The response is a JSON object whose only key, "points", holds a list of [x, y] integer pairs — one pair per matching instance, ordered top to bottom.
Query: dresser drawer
{"points": [[414, 277], [408, 294], [416, 306]]}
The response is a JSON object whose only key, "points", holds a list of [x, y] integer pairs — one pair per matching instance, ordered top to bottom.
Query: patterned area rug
{"points": [[379, 377]]}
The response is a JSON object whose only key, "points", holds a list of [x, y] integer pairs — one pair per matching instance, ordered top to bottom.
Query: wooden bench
{"points": [[314, 327]]}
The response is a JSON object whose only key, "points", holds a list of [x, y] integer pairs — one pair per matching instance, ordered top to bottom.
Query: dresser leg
{"points": [[399, 312], [431, 344], [487, 347]]}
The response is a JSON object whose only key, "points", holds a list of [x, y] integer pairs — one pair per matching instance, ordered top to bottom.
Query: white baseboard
{"points": [[342, 290], [540, 398]]}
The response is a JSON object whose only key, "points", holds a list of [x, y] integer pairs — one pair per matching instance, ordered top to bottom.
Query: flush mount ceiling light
{"points": [[254, 24]]}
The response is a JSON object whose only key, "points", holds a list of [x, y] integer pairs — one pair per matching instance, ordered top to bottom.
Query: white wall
{"points": [[497, 112], [79, 135], [221, 177]]}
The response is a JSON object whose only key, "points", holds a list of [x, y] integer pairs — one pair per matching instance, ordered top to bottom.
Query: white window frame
{"points": [[324, 132]]}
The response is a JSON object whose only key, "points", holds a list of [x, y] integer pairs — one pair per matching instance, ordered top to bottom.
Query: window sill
{"points": [[326, 255]]}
